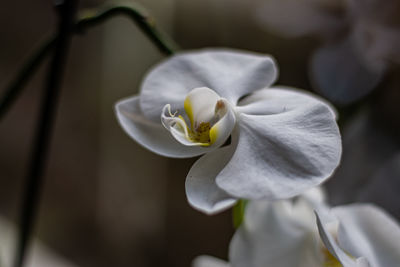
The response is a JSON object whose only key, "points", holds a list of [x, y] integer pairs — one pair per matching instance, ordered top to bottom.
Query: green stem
{"points": [[137, 14], [87, 19], [238, 212]]}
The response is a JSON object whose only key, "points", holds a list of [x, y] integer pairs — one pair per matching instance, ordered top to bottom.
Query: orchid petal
{"points": [[231, 74], [340, 74], [278, 99], [151, 135], [285, 152], [201, 190], [315, 196], [367, 231], [276, 234], [331, 245], [208, 261], [362, 262]]}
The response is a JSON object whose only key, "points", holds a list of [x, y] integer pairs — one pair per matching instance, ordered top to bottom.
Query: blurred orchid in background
{"points": [[360, 40], [283, 141], [370, 165], [286, 233], [280, 234], [365, 236], [39, 256]]}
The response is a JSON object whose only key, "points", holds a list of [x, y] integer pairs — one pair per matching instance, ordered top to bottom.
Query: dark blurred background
{"points": [[107, 201]]}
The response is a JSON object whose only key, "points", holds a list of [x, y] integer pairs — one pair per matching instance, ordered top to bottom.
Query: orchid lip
{"points": [[199, 126]]}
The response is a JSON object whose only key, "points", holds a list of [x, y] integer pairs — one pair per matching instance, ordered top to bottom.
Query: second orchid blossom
{"points": [[283, 140], [286, 234]]}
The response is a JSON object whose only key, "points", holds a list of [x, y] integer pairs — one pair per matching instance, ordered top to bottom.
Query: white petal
{"points": [[295, 18], [230, 73], [339, 73], [278, 99], [151, 134], [282, 154], [201, 190], [315, 195], [367, 231], [276, 234], [332, 246], [208, 261], [362, 262]]}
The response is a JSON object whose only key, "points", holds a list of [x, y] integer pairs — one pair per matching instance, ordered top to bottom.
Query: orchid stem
{"points": [[67, 11], [138, 15], [87, 19], [60, 44], [27, 70], [238, 212]]}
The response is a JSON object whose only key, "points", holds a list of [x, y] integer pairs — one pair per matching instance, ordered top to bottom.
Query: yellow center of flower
{"points": [[208, 119], [203, 132], [329, 259]]}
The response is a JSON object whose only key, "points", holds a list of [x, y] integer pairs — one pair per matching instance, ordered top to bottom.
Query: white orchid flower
{"points": [[360, 40], [283, 141], [280, 234], [286, 234], [366, 236]]}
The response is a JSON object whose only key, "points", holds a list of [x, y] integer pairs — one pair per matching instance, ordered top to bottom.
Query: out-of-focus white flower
{"points": [[360, 40], [283, 141], [370, 170], [280, 234], [286, 234], [366, 236], [39, 255], [209, 261]]}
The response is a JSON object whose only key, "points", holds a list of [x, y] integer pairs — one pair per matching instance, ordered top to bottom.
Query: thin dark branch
{"points": [[137, 14], [88, 19], [27, 70], [34, 180]]}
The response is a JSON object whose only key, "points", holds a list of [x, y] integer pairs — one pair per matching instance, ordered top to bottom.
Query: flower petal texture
{"points": [[231, 74], [288, 142], [201, 190], [279, 234]]}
